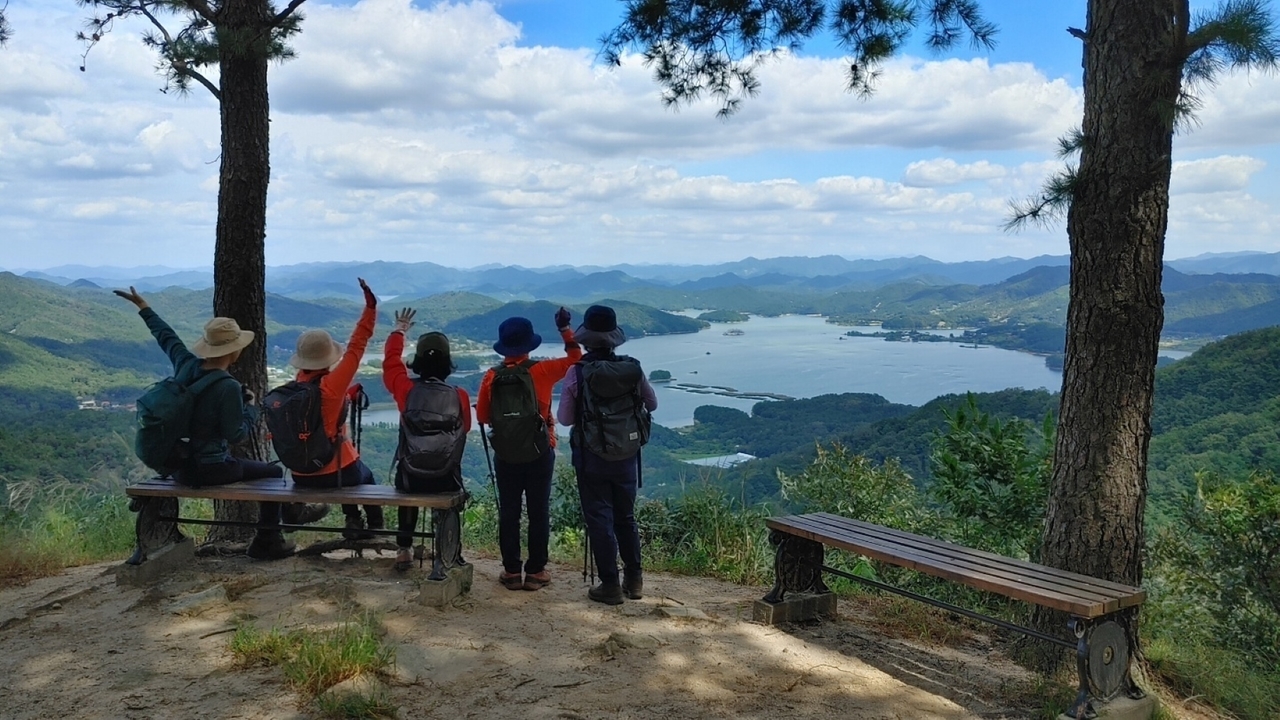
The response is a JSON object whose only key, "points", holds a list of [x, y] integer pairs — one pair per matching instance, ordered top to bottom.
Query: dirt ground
{"points": [[78, 646]]}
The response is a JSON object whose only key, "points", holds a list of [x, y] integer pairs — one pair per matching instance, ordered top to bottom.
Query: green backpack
{"points": [[519, 432], [163, 441]]}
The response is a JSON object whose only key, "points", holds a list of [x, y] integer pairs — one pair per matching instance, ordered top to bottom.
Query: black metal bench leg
{"points": [[153, 533], [446, 543], [797, 566], [1082, 708]]}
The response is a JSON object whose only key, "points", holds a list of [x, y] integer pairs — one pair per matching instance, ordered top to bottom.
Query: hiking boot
{"points": [[302, 513], [355, 529], [270, 545], [404, 559], [511, 581], [537, 581], [633, 586], [607, 594]]}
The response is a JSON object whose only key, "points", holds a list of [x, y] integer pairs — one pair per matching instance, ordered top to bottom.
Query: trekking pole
{"points": [[361, 402], [493, 479]]}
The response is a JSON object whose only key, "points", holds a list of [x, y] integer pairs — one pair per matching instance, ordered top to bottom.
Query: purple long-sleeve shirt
{"points": [[567, 415]]}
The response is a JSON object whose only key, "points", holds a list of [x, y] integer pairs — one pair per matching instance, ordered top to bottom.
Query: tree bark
{"points": [[1116, 225], [239, 259]]}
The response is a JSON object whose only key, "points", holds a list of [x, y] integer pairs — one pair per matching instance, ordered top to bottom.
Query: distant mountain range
{"points": [[790, 275]]}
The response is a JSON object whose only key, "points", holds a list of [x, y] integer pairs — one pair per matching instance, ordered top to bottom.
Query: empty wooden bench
{"points": [[156, 502], [1102, 644]]}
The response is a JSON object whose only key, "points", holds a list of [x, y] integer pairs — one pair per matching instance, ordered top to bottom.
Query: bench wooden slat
{"points": [[283, 490], [1016, 570], [976, 572], [1085, 582], [1077, 594]]}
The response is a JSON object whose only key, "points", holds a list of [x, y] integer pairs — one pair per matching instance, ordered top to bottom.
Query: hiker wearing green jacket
{"points": [[224, 413]]}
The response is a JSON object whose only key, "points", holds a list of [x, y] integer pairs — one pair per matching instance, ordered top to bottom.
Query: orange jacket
{"points": [[545, 374], [334, 383]]}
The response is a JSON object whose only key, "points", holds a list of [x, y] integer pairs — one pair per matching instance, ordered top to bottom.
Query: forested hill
{"points": [[1216, 411]]}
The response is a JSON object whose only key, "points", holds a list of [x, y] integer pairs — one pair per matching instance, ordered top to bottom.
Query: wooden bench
{"points": [[156, 502], [1102, 644]]}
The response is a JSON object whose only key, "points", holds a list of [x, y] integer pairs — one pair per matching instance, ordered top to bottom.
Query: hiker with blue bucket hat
{"points": [[515, 401]]}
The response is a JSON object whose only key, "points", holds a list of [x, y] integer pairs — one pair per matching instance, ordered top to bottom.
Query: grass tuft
{"points": [[315, 660], [1215, 676]]}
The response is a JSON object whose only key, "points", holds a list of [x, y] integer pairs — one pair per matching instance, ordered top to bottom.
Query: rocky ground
{"points": [[78, 645]]}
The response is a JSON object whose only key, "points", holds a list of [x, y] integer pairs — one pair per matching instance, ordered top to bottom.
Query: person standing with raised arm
{"points": [[606, 399], [515, 400]]}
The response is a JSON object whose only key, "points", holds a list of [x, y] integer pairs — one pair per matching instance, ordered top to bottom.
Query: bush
{"points": [[993, 480], [850, 485], [1220, 566]]}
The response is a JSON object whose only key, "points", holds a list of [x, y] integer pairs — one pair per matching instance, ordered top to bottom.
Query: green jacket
{"points": [[220, 416]]}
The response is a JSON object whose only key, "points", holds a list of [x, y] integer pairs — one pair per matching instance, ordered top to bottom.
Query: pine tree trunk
{"points": [[1116, 226], [239, 258]]}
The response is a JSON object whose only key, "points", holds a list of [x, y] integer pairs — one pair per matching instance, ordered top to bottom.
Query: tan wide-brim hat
{"points": [[222, 336], [317, 350]]}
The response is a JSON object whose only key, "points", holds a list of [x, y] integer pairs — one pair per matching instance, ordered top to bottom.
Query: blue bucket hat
{"points": [[516, 337]]}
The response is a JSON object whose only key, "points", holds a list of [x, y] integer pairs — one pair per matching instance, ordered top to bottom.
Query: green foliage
{"points": [[698, 47], [992, 480], [842, 483], [47, 524], [706, 532], [1224, 555], [1199, 667]]}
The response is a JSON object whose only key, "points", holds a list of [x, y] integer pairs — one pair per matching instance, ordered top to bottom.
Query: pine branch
{"points": [[201, 8], [284, 14], [178, 64]]}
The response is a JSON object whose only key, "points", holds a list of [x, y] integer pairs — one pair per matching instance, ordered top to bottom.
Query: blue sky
{"points": [[472, 133]]}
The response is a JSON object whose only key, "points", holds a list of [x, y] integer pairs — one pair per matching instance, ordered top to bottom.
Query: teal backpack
{"points": [[163, 442]]}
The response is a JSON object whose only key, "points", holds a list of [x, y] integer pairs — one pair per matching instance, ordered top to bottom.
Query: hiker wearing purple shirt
{"points": [[606, 486]]}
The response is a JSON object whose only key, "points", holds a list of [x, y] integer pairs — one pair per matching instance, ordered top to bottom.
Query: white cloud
{"points": [[407, 131], [945, 171], [1224, 173]]}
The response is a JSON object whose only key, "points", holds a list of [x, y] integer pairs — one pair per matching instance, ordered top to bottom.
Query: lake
{"points": [[803, 356]]}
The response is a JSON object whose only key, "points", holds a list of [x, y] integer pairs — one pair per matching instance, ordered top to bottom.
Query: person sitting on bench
{"points": [[224, 414], [435, 418]]}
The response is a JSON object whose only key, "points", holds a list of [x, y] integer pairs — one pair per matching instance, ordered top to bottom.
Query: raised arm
{"points": [[168, 340], [395, 376], [338, 379]]}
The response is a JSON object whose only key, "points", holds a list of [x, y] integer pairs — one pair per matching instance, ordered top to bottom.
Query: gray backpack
{"points": [[613, 422], [431, 435]]}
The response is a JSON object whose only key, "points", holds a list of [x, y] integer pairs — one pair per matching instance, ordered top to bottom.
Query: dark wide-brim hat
{"points": [[599, 328], [516, 337], [431, 346]]}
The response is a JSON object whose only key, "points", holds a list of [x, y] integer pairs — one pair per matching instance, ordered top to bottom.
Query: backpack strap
{"points": [[208, 380]]}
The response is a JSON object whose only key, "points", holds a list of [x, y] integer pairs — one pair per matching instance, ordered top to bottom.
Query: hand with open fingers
{"points": [[133, 297], [370, 300], [562, 318], [404, 320]]}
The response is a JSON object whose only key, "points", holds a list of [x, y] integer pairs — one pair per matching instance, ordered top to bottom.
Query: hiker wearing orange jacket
{"points": [[320, 358], [432, 362], [530, 481]]}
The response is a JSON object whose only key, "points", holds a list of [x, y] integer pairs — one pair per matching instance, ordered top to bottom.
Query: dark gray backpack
{"points": [[613, 422], [431, 435]]}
